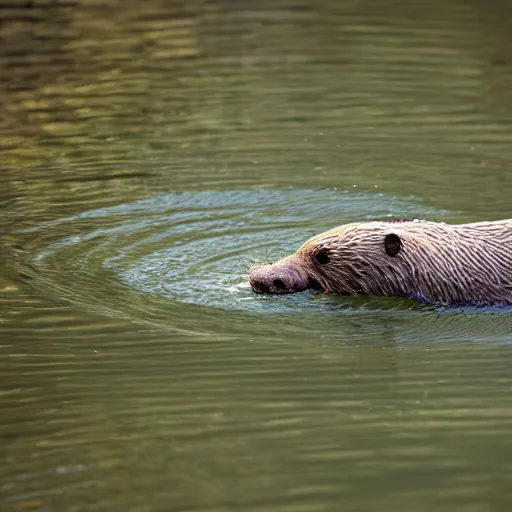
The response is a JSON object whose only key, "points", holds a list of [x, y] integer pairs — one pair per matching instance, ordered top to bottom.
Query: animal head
{"points": [[364, 258], [350, 259]]}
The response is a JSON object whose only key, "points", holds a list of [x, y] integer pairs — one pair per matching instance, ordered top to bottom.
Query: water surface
{"points": [[151, 152]]}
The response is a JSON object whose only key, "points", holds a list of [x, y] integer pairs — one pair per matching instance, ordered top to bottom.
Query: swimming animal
{"points": [[429, 261]]}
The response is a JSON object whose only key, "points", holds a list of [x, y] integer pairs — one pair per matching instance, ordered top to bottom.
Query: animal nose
{"points": [[277, 279], [262, 282]]}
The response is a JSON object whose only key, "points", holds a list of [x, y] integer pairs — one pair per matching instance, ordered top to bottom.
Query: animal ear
{"points": [[392, 244]]}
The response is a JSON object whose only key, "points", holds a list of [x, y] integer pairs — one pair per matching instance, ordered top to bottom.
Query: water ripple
{"points": [[197, 248], [171, 259]]}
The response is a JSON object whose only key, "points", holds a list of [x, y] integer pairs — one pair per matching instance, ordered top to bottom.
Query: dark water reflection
{"points": [[150, 152]]}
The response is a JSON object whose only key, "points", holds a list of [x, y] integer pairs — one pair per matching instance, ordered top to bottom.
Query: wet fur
{"points": [[436, 262]]}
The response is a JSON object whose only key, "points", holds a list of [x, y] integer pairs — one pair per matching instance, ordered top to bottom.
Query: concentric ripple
{"points": [[197, 248], [156, 259]]}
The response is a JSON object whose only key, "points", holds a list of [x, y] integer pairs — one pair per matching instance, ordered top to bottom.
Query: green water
{"points": [[150, 153]]}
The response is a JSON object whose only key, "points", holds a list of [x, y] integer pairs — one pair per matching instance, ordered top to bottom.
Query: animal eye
{"points": [[322, 258]]}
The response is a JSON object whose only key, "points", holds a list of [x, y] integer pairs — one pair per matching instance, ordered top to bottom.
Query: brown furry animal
{"points": [[428, 261]]}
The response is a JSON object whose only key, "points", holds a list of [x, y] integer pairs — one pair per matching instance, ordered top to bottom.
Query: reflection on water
{"points": [[150, 152]]}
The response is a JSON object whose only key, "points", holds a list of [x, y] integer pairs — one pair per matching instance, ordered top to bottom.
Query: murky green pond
{"points": [[150, 153]]}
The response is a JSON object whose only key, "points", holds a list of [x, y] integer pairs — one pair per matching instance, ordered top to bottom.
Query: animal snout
{"points": [[277, 279]]}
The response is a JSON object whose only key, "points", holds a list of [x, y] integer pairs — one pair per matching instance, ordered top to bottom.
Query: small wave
{"points": [[157, 259]]}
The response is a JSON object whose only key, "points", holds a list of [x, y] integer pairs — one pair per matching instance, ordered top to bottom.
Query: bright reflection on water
{"points": [[151, 152]]}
